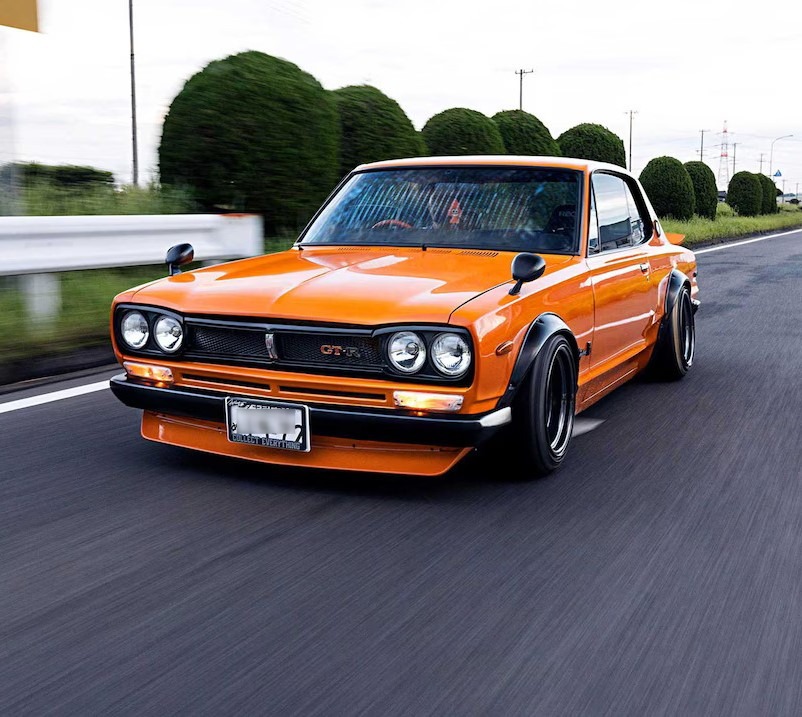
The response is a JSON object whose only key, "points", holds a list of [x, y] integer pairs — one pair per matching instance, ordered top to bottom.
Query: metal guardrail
{"points": [[37, 247]]}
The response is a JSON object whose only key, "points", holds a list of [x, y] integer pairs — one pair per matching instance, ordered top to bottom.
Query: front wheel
{"points": [[676, 340], [543, 414]]}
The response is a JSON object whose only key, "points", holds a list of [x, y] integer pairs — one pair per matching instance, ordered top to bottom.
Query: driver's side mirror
{"points": [[526, 267]]}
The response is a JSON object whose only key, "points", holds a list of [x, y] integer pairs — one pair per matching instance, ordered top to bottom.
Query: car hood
{"points": [[354, 285]]}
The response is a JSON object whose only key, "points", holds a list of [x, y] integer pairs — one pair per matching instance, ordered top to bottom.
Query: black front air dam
{"points": [[326, 420]]}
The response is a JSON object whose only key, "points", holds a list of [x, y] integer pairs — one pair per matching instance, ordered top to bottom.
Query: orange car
{"points": [[429, 305]]}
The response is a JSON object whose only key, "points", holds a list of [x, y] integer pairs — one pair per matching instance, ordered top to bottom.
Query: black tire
{"points": [[676, 340], [543, 412]]}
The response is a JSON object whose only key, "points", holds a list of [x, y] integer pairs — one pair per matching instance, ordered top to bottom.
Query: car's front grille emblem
{"points": [[270, 345], [332, 350]]}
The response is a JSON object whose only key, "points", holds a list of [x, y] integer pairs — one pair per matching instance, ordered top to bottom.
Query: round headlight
{"points": [[134, 329], [168, 334], [407, 351], [451, 354]]}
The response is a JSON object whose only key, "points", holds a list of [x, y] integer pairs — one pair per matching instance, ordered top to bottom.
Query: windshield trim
{"points": [[300, 243]]}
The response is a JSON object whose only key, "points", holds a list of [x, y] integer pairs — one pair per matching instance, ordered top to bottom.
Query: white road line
{"points": [[730, 245], [54, 396], [585, 425]]}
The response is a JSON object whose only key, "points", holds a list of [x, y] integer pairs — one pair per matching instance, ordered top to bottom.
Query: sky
{"points": [[683, 66]]}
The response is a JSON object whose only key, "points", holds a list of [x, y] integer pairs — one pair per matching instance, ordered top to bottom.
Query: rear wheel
{"points": [[676, 341], [543, 414]]}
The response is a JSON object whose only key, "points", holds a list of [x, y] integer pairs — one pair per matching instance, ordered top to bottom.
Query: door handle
{"points": [[644, 268]]}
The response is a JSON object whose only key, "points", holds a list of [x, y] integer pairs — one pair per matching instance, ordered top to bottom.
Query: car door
{"points": [[625, 296]]}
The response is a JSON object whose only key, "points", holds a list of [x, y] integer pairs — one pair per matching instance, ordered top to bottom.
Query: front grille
{"points": [[228, 342], [293, 347], [329, 349]]}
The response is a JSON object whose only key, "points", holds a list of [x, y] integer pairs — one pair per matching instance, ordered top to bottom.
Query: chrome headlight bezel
{"points": [[131, 315], [164, 318], [466, 353], [419, 356]]}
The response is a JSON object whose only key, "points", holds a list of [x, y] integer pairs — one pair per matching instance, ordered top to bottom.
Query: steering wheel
{"points": [[391, 223]]}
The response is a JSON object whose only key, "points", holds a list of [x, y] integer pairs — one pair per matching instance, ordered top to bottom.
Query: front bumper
{"points": [[326, 420]]}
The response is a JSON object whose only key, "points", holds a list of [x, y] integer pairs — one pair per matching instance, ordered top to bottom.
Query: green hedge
{"points": [[373, 127], [462, 131], [253, 133], [523, 133], [592, 141], [59, 175], [669, 188], [704, 188], [745, 194], [768, 200]]}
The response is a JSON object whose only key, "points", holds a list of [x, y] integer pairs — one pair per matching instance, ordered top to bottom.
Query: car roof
{"points": [[495, 160]]}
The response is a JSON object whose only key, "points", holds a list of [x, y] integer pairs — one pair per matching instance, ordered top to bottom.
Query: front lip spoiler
{"points": [[326, 420]]}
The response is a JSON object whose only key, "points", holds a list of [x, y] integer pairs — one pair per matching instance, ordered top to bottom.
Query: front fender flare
{"points": [[540, 331]]}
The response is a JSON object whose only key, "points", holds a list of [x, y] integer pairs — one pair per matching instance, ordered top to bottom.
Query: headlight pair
{"points": [[167, 332], [450, 353]]}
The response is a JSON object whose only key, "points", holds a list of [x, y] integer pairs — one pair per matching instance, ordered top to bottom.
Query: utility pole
{"points": [[521, 74], [133, 93], [631, 113], [734, 145], [702, 148], [762, 154], [771, 154]]}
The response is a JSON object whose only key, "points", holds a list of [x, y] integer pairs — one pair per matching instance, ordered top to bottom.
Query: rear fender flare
{"points": [[676, 281], [540, 331]]}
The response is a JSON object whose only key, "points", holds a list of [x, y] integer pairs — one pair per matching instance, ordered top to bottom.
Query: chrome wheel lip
{"points": [[688, 332], [559, 401]]}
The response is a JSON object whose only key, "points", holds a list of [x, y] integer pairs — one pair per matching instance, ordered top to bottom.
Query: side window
{"points": [[635, 219], [593, 226], [615, 229]]}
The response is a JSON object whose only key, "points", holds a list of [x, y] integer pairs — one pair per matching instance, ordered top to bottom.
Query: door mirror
{"points": [[675, 238], [178, 255], [526, 267]]}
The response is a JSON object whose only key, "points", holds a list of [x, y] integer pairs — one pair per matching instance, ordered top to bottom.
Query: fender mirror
{"points": [[178, 255], [526, 267]]}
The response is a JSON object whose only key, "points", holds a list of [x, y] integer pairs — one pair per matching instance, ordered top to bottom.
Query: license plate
{"points": [[268, 423]]}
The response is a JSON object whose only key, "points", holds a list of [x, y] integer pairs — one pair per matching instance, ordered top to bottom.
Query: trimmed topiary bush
{"points": [[373, 127], [462, 131], [253, 133], [525, 134], [592, 141], [669, 188], [704, 188], [745, 194], [768, 202]]}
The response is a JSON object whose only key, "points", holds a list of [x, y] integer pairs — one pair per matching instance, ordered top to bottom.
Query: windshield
{"points": [[504, 208]]}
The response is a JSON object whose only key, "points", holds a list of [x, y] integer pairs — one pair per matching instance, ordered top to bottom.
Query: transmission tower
{"points": [[723, 180]]}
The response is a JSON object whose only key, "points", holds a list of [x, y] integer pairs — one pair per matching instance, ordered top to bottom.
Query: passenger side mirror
{"points": [[178, 255], [526, 267]]}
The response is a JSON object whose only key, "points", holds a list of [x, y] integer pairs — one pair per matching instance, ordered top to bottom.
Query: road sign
{"points": [[21, 14], [778, 173]]}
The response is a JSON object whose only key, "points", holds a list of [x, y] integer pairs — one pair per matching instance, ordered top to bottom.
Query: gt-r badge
{"points": [[331, 350]]}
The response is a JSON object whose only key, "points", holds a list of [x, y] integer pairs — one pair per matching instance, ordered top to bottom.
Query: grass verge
{"points": [[729, 226]]}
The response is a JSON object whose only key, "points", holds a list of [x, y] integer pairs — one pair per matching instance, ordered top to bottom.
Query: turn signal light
{"points": [[159, 374], [417, 401]]}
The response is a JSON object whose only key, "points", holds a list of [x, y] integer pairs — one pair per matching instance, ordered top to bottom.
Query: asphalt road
{"points": [[660, 572]]}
